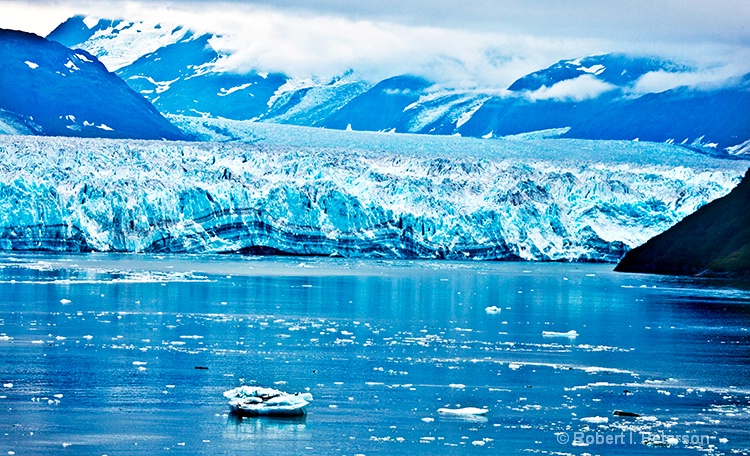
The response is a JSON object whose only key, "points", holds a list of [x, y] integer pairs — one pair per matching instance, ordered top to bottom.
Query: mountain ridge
{"points": [[53, 90], [586, 97]]}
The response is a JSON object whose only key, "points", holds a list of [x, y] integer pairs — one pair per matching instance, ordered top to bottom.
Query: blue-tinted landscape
{"points": [[357, 228]]}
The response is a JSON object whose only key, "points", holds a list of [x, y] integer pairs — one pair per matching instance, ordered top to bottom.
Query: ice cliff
{"points": [[315, 192]]}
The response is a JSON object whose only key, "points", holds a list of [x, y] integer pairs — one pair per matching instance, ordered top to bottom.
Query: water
{"points": [[130, 354]]}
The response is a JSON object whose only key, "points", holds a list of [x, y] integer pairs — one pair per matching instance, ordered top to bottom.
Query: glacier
{"points": [[275, 189]]}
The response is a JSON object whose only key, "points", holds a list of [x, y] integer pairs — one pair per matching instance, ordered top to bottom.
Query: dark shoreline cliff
{"points": [[714, 241]]}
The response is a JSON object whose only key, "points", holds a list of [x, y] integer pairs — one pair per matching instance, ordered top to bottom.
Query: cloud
{"points": [[327, 46], [660, 81], [581, 88]]}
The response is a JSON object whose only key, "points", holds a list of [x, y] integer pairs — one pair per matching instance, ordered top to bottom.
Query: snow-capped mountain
{"points": [[116, 43], [619, 71], [51, 90], [595, 97], [610, 106], [298, 190]]}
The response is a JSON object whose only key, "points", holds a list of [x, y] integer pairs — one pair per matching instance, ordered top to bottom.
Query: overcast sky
{"points": [[477, 42]]}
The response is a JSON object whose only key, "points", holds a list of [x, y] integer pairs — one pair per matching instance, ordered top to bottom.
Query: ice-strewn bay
{"points": [[282, 189], [130, 354]]}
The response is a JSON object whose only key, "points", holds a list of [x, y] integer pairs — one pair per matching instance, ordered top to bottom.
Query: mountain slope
{"points": [[178, 79], [56, 91], [715, 119], [715, 240]]}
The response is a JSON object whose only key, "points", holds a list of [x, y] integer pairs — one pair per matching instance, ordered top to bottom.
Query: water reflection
{"points": [[266, 427]]}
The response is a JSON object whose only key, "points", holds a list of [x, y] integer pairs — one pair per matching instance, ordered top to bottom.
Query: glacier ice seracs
{"points": [[302, 191]]}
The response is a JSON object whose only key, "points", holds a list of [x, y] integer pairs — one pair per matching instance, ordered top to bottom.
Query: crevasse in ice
{"points": [[351, 194]]}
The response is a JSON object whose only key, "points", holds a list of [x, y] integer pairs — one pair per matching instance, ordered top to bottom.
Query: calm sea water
{"points": [[98, 355]]}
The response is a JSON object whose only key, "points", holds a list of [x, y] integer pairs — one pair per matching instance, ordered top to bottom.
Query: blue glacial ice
{"points": [[293, 190]]}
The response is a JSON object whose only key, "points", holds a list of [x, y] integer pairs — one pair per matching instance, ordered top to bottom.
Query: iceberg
{"points": [[278, 189], [570, 334], [260, 401], [464, 411]]}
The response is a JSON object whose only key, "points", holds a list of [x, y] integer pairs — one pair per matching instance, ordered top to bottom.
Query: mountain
{"points": [[116, 43], [617, 70], [51, 90], [594, 97], [710, 119], [313, 191], [713, 241]]}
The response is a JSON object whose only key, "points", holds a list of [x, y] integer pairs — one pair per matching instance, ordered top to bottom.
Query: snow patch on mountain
{"points": [[124, 42], [593, 69], [224, 92], [310, 101], [466, 115], [739, 149]]}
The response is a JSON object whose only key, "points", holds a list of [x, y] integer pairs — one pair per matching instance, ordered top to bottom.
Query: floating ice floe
{"points": [[65, 301], [492, 310], [572, 333], [256, 400], [464, 411], [595, 419]]}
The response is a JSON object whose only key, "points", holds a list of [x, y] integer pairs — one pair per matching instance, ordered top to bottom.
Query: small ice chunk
{"points": [[32, 65], [65, 301], [493, 310], [572, 333], [8, 385], [457, 385], [464, 411], [428, 419], [595, 419]]}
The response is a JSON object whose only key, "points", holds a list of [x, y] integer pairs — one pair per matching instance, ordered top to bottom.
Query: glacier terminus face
{"points": [[301, 191]]}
